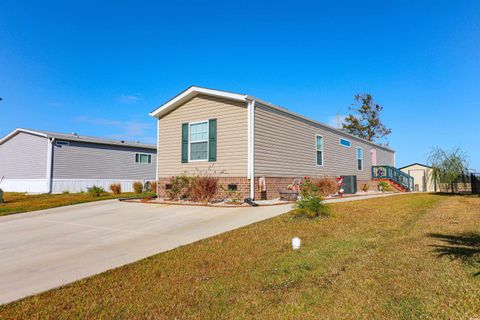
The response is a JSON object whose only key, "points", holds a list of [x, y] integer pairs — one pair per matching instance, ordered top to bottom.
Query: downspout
{"points": [[251, 145], [156, 154], [49, 164]]}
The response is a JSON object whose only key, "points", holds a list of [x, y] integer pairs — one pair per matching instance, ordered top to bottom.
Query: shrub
{"points": [[147, 186], [153, 186], [327, 186], [384, 186], [137, 187], [180, 187], [365, 187], [116, 188], [204, 188], [308, 188], [96, 191], [65, 192], [311, 207]]}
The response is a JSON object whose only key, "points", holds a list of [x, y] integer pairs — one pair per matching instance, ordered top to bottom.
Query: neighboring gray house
{"points": [[256, 145], [46, 162]]}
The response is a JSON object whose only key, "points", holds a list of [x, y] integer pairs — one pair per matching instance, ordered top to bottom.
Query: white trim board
{"points": [[17, 131]]}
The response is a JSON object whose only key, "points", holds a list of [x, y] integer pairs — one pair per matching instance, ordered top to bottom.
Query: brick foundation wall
{"points": [[273, 184], [372, 185], [243, 187]]}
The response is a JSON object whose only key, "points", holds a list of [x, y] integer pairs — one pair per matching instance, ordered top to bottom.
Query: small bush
{"points": [[147, 186], [153, 186], [327, 186], [384, 186], [137, 187], [180, 187], [365, 187], [116, 188], [204, 188], [308, 188], [96, 191], [65, 192], [311, 207]]}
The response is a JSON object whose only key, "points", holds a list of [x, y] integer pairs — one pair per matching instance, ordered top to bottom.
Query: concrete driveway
{"points": [[46, 249]]}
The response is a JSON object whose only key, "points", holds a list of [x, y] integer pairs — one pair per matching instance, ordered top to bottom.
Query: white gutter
{"points": [[18, 130], [251, 145], [49, 164]]}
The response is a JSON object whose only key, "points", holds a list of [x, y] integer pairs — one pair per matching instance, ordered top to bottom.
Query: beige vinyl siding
{"points": [[231, 136], [285, 146], [24, 156], [385, 158]]}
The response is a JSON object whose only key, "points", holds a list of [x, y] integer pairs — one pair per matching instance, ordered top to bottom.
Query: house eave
{"points": [[189, 94], [19, 130]]}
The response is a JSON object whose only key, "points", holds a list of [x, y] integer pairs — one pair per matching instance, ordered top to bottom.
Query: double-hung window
{"points": [[198, 141], [319, 148], [143, 158], [359, 158]]}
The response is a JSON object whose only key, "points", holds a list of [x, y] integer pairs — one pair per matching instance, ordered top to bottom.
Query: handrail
{"points": [[394, 174]]}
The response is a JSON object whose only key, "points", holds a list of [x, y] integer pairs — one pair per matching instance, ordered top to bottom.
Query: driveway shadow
{"points": [[464, 246]]}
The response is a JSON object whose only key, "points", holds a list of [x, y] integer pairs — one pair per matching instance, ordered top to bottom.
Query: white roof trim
{"points": [[192, 92], [17, 131]]}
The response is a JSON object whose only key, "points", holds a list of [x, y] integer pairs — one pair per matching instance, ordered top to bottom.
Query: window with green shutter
{"points": [[199, 141], [143, 158]]}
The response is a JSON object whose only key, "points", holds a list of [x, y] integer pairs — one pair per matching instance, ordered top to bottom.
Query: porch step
{"points": [[396, 178], [395, 185]]}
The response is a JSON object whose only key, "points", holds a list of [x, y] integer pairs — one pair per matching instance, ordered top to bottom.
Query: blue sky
{"points": [[98, 69]]}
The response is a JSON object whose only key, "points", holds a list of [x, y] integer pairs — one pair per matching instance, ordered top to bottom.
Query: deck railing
{"points": [[392, 173]]}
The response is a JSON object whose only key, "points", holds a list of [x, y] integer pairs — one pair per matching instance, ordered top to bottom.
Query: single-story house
{"points": [[254, 145], [39, 161], [422, 175]]}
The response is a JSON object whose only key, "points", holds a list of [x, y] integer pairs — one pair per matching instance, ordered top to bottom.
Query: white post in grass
{"points": [[296, 242]]}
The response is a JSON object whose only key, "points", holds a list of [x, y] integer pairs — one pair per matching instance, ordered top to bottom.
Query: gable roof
{"points": [[193, 91], [76, 137], [413, 164]]}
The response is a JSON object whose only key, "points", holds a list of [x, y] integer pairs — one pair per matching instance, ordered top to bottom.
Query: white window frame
{"points": [[190, 142], [349, 142], [316, 150], [149, 158], [363, 164]]}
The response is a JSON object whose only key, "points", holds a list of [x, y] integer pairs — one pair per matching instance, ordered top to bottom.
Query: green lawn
{"points": [[20, 202], [403, 257]]}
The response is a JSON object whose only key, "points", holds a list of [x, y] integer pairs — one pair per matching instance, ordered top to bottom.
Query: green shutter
{"points": [[212, 140], [184, 142]]}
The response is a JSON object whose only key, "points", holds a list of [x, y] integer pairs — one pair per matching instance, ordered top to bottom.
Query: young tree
{"points": [[365, 121], [448, 167]]}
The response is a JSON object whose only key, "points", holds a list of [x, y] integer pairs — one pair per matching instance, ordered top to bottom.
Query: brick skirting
{"points": [[273, 185], [243, 187]]}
